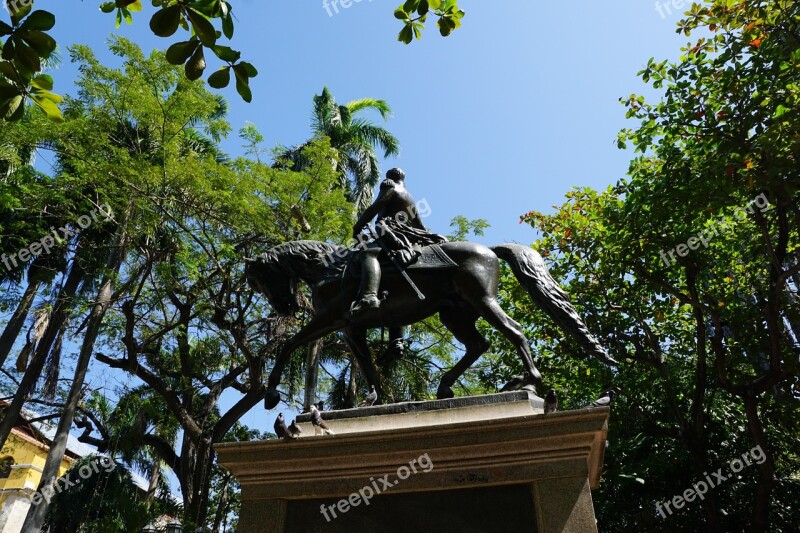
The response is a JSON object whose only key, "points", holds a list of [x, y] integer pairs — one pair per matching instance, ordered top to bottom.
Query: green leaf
{"points": [[410, 6], [108, 7], [422, 9], [18, 10], [400, 14], [39, 20], [165, 22], [227, 24], [446, 26], [202, 27], [5, 29], [406, 35], [41, 42], [8, 50], [179, 53], [226, 53], [27, 57], [196, 64], [248, 69], [8, 70], [242, 73], [221, 78], [43, 81], [8, 91], [244, 91], [53, 97], [48, 106], [13, 109], [780, 111]]}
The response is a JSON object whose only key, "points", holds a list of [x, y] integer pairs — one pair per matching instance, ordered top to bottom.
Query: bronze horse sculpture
{"points": [[460, 295]]}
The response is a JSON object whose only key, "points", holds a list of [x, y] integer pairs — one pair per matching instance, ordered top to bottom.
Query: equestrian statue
{"points": [[399, 274]]}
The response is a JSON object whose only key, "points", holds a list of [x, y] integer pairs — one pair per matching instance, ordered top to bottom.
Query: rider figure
{"points": [[399, 228]]}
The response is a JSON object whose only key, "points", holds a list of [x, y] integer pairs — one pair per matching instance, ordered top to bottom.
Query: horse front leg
{"points": [[318, 327]]}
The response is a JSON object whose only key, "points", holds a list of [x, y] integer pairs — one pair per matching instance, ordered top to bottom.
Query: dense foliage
{"points": [[689, 270]]}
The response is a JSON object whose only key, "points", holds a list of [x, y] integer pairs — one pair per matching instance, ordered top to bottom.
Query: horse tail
{"points": [[531, 272]]}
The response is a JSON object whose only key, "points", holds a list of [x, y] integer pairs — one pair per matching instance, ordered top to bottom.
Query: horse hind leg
{"points": [[491, 311], [461, 323], [356, 340]]}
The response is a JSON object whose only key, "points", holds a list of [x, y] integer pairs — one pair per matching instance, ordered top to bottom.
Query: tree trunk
{"points": [[61, 313], [17, 320], [312, 373], [766, 470], [154, 477], [197, 484], [222, 505], [37, 513]]}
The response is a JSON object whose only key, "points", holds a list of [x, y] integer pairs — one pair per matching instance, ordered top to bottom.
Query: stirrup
{"points": [[363, 304]]}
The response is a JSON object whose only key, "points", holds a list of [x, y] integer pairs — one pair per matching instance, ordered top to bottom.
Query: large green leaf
{"points": [[39, 20], [165, 21], [202, 27], [178, 53], [196, 64], [221, 78]]}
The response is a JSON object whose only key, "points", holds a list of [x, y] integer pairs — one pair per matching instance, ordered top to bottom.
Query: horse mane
{"points": [[315, 255]]}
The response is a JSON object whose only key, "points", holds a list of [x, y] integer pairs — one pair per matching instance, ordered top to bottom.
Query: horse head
{"points": [[265, 276]]}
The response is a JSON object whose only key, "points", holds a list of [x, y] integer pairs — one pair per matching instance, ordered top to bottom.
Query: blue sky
{"points": [[501, 118]]}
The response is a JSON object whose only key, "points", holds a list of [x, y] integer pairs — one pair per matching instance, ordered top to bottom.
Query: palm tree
{"points": [[355, 140]]}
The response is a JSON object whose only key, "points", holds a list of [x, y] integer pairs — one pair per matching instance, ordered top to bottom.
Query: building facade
{"points": [[21, 462]]}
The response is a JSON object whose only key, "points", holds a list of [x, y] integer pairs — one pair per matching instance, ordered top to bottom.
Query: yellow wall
{"points": [[26, 451]]}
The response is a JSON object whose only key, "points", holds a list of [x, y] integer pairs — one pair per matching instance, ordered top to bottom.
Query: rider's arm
{"points": [[372, 211], [416, 222]]}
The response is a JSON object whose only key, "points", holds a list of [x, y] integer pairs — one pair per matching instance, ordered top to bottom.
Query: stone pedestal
{"points": [[490, 463]]}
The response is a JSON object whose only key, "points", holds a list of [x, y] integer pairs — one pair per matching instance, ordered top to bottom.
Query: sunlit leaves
{"points": [[414, 13], [198, 16], [23, 52]]}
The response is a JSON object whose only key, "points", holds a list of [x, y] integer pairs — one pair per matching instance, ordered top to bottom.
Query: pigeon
{"points": [[371, 398], [603, 401], [551, 402], [316, 420], [280, 427], [294, 429]]}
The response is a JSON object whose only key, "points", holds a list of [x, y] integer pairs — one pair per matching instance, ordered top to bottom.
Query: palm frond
{"points": [[370, 103], [367, 133]]}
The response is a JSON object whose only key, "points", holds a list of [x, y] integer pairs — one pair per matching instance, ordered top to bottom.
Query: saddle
{"points": [[431, 257]]}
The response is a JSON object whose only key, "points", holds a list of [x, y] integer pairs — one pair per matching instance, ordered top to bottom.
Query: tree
{"points": [[354, 139], [185, 215], [687, 268], [108, 501]]}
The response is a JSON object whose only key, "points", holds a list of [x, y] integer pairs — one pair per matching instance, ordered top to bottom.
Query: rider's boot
{"points": [[370, 281]]}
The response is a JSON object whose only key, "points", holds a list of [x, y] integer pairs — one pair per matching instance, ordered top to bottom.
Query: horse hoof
{"points": [[445, 393], [272, 399]]}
